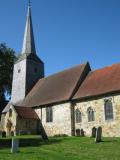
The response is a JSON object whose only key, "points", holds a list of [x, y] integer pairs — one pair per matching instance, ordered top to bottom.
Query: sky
{"points": [[67, 32]]}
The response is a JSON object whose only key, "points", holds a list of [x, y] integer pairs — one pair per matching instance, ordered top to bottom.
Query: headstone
{"points": [[78, 132], [93, 132], [12, 133], [82, 133], [3, 134], [98, 135], [15, 146]]}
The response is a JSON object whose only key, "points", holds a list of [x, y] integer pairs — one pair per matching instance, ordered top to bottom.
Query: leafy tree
{"points": [[7, 58]]}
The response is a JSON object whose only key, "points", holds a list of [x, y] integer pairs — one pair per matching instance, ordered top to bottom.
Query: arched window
{"points": [[108, 109], [10, 112], [90, 113], [49, 114], [78, 116]]}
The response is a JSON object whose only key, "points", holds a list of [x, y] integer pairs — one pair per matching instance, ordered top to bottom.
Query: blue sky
{"points": [[67, 32]]}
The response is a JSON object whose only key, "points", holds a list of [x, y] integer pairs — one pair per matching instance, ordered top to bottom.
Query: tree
{"points": [[7, 58]]}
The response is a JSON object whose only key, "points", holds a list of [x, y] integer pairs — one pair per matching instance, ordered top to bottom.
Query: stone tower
{"points": [[28, 69]]}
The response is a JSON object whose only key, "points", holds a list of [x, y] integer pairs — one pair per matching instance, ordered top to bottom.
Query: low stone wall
{"points": [[4, 143]]}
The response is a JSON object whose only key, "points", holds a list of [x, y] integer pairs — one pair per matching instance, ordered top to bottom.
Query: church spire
{"points": [[28, 43]]}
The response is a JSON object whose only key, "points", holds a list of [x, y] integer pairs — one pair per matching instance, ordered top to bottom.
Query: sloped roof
{"points": [[99, 82], [56, 88], [3, 105], [7, 107], [26, 112]]}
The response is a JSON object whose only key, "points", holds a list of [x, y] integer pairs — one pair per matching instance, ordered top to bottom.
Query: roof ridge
{"points": [[106, 67], [64, 70], [85, 71], [44, 78], [100, 82], [56, 88]]}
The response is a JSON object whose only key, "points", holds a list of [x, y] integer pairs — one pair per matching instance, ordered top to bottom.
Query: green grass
{"points": [[67, 148]]}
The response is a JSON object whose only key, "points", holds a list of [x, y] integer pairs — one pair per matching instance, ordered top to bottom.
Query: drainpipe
{"points": [[73, 118]]}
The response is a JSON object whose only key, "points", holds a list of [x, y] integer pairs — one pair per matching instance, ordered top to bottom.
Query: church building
{"points": [[74, 101]]}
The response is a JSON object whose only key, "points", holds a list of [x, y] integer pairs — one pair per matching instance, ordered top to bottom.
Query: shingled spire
{"points": [[28, 43]]}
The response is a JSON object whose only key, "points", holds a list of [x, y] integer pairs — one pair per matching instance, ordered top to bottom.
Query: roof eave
{"points": [[96, 96], [51, 104]]}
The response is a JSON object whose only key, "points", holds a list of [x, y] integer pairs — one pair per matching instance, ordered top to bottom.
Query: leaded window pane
{"points": [[108, 110], [49, 114], [78, 116], [91, 116]]}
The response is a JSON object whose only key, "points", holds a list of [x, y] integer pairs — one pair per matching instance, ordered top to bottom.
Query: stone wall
{"points": [[34, 71], [25, 75], [19, 81], [12, 119], [61, 120], [2, 122], [19, 125], [110, 128]]}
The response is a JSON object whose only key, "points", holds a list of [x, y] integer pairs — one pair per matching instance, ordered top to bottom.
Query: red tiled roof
{"points": [[99, 82], [56, 88], [26, 112]]}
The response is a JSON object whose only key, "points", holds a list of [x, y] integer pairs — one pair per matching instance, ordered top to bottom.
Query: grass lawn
{"points": [[67, 148]]}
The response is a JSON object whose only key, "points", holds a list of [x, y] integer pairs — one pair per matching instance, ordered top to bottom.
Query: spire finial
{"points": [[29, 3]]}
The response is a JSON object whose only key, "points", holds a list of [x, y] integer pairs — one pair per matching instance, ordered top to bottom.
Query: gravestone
{"points": [[78, 132], [93, 132], [12, 133], [82, 133], [3, 134], [98, 135], [15, 146]]}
